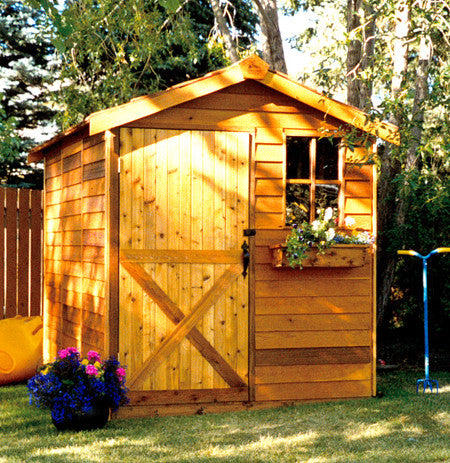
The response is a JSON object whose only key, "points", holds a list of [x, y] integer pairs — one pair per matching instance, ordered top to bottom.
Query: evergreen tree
{"points": [[25, 74]]}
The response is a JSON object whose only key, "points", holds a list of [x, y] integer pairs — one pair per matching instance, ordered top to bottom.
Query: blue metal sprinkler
{"points": [[427, 382]]}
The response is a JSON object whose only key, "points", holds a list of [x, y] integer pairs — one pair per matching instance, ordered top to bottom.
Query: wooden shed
{"points": [[152, 211]]}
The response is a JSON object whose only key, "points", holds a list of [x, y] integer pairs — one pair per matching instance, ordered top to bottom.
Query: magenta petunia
{"points": [[66, 352], [62, 354], [93, 355], [91, 370], [121, 372]]}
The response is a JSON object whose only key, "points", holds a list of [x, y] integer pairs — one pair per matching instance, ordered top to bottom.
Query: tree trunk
{"points": [[224, 31], [272, 42], [354, 51], [360, 52], [368, 55], [420, 95], [417, 119], [388, 203]]}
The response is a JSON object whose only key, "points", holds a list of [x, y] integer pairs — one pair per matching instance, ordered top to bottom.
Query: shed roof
{"points": [[252, 67]]}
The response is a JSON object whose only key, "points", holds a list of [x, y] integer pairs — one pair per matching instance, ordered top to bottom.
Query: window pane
{"points": [[297, 157], [327, 159], [327, 196], [297, 203]]}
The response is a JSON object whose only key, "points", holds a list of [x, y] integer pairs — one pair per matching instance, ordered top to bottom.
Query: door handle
{"points": [[245, 257]]}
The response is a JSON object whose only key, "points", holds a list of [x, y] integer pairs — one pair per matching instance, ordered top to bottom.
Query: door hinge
{"points": [[249, 232]]}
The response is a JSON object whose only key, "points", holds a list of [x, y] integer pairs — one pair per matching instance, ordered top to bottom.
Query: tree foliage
{"points": [[114, 50], [400, 53]]}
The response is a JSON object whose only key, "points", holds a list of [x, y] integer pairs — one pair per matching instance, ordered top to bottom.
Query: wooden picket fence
{"points": [[20, 252]]}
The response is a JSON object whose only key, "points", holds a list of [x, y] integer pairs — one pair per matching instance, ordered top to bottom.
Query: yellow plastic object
{"points": [[439, 250], [408, 252], [20, 348]]}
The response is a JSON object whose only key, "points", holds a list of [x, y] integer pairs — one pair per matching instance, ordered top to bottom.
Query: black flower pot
{"points": [[96, 418]]}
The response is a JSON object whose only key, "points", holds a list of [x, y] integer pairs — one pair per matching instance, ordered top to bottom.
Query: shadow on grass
{"points": [[401, 426]]}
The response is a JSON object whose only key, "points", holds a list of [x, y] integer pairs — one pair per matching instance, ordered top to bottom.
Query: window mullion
{"points": [[312, 163], [341, 197]]}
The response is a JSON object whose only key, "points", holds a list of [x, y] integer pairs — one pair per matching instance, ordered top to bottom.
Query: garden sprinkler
{"points": [[427, 382]]}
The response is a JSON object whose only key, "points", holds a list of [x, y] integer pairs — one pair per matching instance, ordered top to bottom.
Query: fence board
{"points": [[2, 250], [20, 252], [35, 252], [11, 254], [23, 255]]}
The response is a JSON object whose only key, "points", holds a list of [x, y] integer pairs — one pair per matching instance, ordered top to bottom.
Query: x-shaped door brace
{"points": [[185, 324]]}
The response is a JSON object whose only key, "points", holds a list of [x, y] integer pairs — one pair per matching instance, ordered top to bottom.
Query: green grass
{"points": [[400, 426]]}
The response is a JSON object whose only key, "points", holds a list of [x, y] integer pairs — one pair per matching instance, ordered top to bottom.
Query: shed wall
{"points": [[74, 225], [314, 330]]}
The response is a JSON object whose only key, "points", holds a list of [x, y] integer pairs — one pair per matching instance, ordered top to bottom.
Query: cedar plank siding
{"points": [[74, 280], [318, 320]]}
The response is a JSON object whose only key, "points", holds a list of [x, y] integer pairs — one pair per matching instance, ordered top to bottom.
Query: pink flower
{"points": [[67, 352], [63, 353], [92, 355], [91, 370], [121, 373]]}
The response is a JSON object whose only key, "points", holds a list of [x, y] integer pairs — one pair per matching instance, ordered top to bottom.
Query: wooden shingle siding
{"points": [[74, 278], [313, 356]]}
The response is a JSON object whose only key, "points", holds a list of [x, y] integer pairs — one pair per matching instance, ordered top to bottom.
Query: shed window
{"points": [[313, 177]]}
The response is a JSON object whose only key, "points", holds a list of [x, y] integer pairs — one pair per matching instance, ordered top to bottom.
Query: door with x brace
{"points": [[183, 299]]}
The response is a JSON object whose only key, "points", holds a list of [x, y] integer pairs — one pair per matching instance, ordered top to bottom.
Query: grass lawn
{"points": [[400, 426]]}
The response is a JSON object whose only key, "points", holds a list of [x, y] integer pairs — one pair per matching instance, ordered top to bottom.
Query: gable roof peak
{"points": [[253, 67]]}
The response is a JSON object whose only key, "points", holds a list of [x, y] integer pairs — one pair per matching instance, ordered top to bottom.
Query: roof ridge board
{"points": [[161, 92]]}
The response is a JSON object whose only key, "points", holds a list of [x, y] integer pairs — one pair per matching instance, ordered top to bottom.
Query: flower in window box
{"points": [[321, 234]]}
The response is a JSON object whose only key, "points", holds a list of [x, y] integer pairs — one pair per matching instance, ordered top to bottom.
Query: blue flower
{"points": [[65, 387]]}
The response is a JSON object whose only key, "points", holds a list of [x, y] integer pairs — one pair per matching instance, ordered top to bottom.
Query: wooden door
{"points": [[183, 300]]}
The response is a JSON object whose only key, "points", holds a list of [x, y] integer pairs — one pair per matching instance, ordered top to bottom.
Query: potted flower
{"points": [[307, 241], [79, 391]]}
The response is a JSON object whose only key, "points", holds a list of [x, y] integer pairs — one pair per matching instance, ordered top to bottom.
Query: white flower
{"points": [[328, 214], [349, 222], [316, 225], [330, 234]]}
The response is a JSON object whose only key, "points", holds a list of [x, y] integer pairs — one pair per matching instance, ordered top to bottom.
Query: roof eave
{"points": [[342, 111], [38, 152]]}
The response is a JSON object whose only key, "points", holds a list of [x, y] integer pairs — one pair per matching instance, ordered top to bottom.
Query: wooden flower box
{"points": [[340, 255]]}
